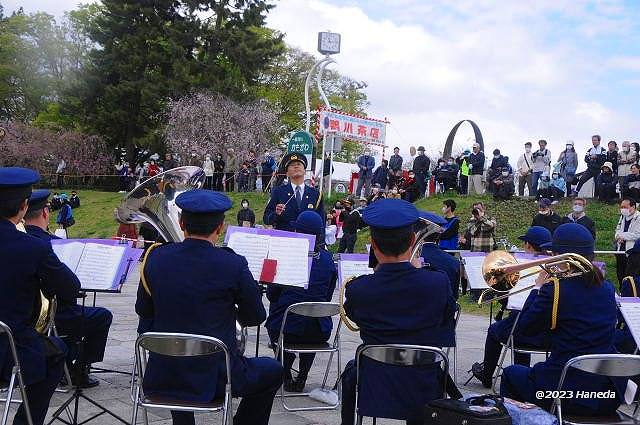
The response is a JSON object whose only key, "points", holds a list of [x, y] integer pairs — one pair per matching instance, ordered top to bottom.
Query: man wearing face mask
{"points": [[595, 158], [626, 158], [568, 161], [366, 163], [541, 164], [421, 166], [476, 170], [525, 170], [503, 185], [578, 215], [546, 217], [627, 233]]}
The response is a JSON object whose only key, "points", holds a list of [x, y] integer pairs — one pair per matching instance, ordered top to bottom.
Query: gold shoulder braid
{"points": [[143, 279], [632, 281], [556, 300], [343, 314]]}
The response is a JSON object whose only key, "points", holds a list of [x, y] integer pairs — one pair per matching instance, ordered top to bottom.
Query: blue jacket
{"points": [[476, 160], [366, 161], [381, 176], [311, 200], [442, 261], [29, 265], [322, 283], [200, 289], [403, 305], [586, 322], [502, 328]]}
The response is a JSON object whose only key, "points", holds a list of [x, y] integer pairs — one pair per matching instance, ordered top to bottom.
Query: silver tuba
{"points": [[154, 202], [423, 229]]}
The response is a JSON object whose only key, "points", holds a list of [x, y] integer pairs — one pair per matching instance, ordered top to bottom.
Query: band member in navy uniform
{"points": [[287, 201], [433, 255], [29, 266], [629, 287], [179, 293], [399, 304], [581, 319], [71, 321], [299, 329], [499, 331]]}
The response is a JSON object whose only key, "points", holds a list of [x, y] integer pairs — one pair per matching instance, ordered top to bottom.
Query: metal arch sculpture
{"points": [[449, 143]]}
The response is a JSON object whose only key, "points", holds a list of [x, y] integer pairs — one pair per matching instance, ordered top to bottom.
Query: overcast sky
{"points": [[552, 69]]}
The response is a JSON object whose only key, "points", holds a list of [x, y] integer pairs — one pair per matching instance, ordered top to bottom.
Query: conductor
{"points": [[287, 201], [179, 293]]}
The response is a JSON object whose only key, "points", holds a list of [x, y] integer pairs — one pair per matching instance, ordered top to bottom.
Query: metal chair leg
{"points": [[498, 371], [7, 403]]}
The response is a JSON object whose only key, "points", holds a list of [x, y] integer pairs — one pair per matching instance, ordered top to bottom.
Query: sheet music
{"points": [[252, 247], [69, 253], [292, 255], [98, 265], [350, 268], [473, 269], [516, 302], [630, 309]]}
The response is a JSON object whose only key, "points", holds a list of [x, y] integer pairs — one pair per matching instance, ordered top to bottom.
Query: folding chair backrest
{"points": [[314, 309], [180, 345], [403, 355], [614, 365]]}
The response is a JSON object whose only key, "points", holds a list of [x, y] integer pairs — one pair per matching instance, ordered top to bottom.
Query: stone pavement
{"points": [[114, 390]]}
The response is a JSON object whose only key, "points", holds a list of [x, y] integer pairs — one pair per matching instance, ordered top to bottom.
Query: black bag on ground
{"points": [[485, 409]]}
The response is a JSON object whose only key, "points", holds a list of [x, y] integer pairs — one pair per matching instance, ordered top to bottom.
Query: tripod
{"points": [[78, 393]]}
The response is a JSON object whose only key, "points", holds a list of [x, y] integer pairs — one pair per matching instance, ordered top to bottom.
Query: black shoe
{"points": [[478, 372], [84, 381], [289, 385], [296, 386]]}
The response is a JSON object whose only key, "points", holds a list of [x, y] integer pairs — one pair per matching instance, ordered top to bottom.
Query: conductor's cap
{"points": [[293, 157], [16, 182], [201, 201], [390, 214]]}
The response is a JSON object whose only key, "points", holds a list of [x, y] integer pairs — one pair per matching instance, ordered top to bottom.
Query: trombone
{"points": [[501, 271]]}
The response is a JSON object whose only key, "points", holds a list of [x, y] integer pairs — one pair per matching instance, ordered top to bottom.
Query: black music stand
{"points": [[78, 392]]}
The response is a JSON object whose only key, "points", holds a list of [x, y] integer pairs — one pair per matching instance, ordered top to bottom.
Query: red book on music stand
{"points": [[268, 273]]}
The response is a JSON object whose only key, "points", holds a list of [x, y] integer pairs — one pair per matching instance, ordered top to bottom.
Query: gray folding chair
{"points": [[317, 310], [180, 345], [510, 346], [455, 347], [399, 355], [611, 365], [16, 374]]}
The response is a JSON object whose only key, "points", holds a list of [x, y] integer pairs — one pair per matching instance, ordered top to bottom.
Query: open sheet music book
{"points": [[290, 254], [98, 266], [630, 309]]}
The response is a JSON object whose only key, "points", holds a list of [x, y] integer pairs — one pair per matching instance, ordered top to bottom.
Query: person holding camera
{"points": [[541, 164], [480, 234]]}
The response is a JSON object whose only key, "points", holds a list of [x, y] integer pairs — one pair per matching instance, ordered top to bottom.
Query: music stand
{"points": [[78, 392]]}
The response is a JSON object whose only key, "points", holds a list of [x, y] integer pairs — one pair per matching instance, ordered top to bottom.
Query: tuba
{"points": [[153, 201], [423, 228], [501, 271], [44, 309]]}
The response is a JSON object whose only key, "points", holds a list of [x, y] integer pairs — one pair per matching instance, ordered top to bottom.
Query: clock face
{"points": [[328, 43]]}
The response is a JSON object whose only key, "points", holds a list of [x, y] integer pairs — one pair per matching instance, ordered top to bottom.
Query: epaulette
{"points": [[143, 279]]}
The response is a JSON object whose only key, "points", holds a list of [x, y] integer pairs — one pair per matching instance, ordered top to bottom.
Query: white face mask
{"points": [[569, 147], [527, 150], [505, 173], [394, 191], [245, 205], [578, 208], [624, 212]]}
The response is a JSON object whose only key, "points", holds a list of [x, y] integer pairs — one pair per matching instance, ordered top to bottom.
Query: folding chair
{"points": [[316, 310], [456, 317], [179, 345], [510, 346], [399, 355], [611, 365], [16, 374]]}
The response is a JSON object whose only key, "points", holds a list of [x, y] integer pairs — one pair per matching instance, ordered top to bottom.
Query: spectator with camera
{"points": [[595, 159], [541, 164], [480, 232]]}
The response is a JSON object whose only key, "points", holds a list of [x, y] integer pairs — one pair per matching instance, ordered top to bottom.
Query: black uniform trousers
{"points": [[347, 243], [95, 328], [312, 335]]}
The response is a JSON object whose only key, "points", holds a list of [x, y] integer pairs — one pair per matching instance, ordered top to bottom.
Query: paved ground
{"points": [[114, 390]]}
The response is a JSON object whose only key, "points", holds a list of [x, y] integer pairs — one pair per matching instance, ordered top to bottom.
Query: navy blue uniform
{"points": [[285, 195], [440, 260], [29, 265], [200, 289], [398, 304], [586, 322], [71, 323], [299, 329], [624, 340]]}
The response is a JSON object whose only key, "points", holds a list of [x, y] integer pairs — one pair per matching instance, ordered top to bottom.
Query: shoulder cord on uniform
{"points": [[143, 279], [632, 281], [556, 300]]}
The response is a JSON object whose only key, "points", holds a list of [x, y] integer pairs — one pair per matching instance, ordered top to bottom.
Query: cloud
{"points": [[507, 65]]}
